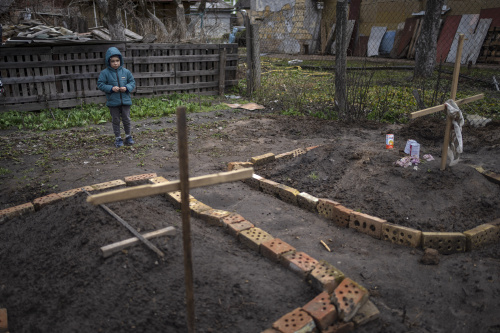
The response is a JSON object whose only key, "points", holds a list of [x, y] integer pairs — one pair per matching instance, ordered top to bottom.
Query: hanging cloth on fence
{"points": [[455, 148]]}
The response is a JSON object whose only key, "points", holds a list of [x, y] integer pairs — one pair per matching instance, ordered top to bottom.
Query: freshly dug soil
{"points": [[53, 279]]}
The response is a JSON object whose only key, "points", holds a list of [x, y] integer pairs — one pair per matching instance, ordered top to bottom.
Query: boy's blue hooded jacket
{"points": [[120, 77]]}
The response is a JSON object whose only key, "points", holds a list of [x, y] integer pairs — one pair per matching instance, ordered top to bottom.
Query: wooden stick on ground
{"points": [[453, 95], [132, 230], [326, 246], [115, 247]]}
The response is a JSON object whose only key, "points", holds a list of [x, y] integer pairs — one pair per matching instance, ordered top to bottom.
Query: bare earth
{"points": [[53, 279]]}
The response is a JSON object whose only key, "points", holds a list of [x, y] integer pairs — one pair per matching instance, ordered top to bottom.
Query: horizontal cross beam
{"points": [[441, 107], [166, 187]]}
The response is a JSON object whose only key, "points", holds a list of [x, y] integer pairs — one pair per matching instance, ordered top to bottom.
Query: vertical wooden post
{"points": [[222, 71], [453, 95], [186, 227]]}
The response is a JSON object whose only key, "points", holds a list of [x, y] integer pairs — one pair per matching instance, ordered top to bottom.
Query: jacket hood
{"points": [[113, 51]]}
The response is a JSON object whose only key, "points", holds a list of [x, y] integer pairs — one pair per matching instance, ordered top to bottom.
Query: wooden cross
{"points": [[453, 95], [183, 184]]}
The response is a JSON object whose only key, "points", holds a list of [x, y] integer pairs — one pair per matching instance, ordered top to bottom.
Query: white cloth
{"points": [[456, 147]]}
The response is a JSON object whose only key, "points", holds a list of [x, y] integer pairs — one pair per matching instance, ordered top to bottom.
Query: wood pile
{"points": [[28, 30]]}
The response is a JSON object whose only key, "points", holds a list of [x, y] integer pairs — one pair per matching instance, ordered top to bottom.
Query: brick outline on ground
{"points": [[481, 235], [253, 243]]}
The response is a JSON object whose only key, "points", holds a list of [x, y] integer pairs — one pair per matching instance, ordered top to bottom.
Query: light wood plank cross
{"points": [[453, 95], [183, 184]]}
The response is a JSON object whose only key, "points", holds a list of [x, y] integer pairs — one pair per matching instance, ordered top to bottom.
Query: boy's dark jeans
{"points": [[123, 112]]}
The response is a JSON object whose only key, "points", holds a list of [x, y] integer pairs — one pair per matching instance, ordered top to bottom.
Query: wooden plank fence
{"points": [[42, 77]]}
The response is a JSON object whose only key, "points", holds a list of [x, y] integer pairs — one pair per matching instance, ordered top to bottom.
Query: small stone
{"points": [[430, 257]]}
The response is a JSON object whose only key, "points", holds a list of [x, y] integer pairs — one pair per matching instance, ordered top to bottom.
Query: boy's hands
{"points": [[119, 89]]}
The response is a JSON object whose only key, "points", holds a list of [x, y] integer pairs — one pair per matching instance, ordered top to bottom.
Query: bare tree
{"points": [[112, 18], [181, 20], [341, 56], [425, 56]]}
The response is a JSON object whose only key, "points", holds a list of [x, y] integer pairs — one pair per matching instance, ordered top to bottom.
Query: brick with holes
{"points": [[139, 179], [254, 181], [110, 184], [269, 187], [70, 193], [287, 194], [175, 198], [46, 200], [197, 207], [325, 207], [11, 212], [341, 216], [232, 218], [367, 224], [235, 228], [401, 235], [481, 235], [254, 237], [444, 242], [273, 249], [299, 263], [325, 277], [348, 298], [322, 310], [368, 312], [295, 321]]}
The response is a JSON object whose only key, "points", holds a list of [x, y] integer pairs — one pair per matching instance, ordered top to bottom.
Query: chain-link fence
{"points": [[381, 34]]}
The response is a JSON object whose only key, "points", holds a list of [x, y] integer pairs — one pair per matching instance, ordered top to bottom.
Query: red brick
{"points": [[311, 148], [238, 165], [139, 179], [110, 184], [70, 193], [46, 200], [325, 207], [11, 212], [341, 216], [232, 218], [367, 224], [235, 228], [254, 237], [274, 248], [299, 262], [326, 277], [349, 297], [322, 310], [366, 313], [295, 321], [4, 324], [340, 327], [270, 330]]}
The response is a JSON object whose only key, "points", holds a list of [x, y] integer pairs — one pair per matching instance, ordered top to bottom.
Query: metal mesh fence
{"points": [[382, 44]]}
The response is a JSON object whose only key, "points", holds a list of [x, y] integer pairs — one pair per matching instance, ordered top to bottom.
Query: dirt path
{"points": [[56, 281]]}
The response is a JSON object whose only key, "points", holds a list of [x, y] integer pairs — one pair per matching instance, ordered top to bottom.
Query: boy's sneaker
{"points": [[129, 141], [118, 142]]}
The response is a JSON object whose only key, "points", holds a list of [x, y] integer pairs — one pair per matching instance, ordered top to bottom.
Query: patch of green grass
{"points": [[4, 171]]}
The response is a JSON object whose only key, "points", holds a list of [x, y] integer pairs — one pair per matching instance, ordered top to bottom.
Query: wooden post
{"points": [[222, 71], [453, 95], [186, 227]]}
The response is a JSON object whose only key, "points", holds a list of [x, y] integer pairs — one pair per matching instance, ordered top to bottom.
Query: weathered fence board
{"points": [[41, 77]]}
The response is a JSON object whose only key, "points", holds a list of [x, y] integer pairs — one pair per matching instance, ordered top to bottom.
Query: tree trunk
{"points": [[113, 18], [181, 20], [425, 56], [341, 57]]}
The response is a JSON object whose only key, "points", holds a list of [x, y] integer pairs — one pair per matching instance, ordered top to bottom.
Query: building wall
{"points": [[287, 26]]}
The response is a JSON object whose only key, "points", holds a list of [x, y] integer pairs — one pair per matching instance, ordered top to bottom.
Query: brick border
{"points": [[444, 242]]}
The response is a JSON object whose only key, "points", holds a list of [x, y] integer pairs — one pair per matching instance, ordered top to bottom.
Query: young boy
{"points": [[117, 82]]}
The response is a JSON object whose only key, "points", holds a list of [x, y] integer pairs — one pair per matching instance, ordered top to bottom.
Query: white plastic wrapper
{"points": [[456, 146]]}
